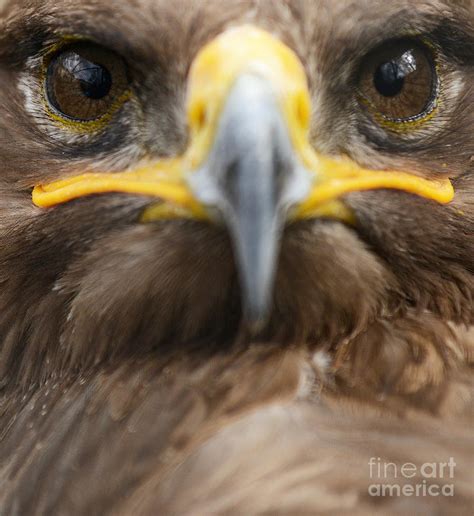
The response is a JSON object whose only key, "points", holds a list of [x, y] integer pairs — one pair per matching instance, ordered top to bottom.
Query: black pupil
{"points": [[389, 77], [95, 80]]}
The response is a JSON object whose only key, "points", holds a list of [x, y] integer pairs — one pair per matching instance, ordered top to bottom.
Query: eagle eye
{"points": [[84, 82], [399, 82]]}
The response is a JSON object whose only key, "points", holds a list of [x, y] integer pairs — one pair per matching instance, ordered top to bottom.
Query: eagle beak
{"points": [[249, 163], [251, 179]]}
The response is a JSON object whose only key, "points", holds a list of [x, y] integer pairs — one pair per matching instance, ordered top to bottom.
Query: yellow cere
{"points": [[237, 52], [215, 70]]}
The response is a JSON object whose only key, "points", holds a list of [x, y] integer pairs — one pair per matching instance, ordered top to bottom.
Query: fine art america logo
{"points": [[390, 479]]}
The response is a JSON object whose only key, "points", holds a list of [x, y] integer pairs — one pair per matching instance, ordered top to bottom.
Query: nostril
{"points": [[302, 110], [198, 116]]}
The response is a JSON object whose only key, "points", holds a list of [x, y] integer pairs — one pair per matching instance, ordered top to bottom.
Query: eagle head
{"points": [[173, 174]]}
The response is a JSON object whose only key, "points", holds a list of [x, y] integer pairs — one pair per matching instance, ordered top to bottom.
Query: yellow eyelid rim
{"points": [[412, 124], [77, 126]]}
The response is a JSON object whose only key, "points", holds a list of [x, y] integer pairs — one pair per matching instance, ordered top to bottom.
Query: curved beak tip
{"points": [[257, 285], [255, 323]]}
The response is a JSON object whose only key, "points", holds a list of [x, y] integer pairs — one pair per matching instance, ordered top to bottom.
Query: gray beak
{"points": [[250, 181]]}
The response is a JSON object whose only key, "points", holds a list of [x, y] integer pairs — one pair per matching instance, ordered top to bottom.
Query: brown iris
{"points": [[85, 81], [399, 81]]}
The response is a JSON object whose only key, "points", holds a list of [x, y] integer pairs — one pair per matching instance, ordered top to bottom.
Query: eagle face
{"points": [[241, 116]]}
